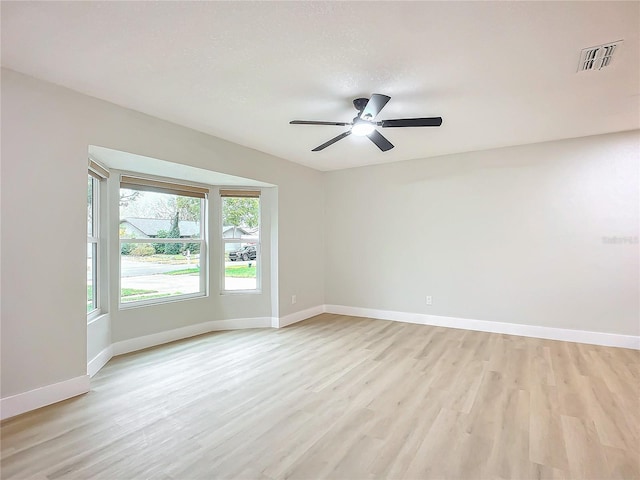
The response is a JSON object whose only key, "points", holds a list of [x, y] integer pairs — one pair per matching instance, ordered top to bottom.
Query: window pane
{"points": [[90, 206], [158, 215], [240, 218], [92, 247], [240, 266], [159, 270], [92, 300]]}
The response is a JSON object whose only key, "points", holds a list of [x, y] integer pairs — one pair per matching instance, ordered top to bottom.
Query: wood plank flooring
{"points": [[343, 398]]}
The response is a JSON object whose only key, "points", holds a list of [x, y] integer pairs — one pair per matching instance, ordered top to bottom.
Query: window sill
{"points": [[240, 292], [155, 302]]}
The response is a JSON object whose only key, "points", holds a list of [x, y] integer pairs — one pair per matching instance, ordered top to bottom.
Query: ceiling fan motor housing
{"points": [[360, 103]]}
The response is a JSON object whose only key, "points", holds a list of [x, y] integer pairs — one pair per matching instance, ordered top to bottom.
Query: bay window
{"points": [[163, 248]]}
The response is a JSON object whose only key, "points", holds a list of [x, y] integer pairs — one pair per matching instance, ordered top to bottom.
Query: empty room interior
{"points": [[324, 240]]}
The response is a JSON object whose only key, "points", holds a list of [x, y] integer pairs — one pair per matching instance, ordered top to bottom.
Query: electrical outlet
{"points": [[293, 300], [429, 301]]}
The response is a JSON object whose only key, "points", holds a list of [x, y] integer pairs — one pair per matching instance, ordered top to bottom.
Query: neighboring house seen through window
{"points": [[162, 241]]}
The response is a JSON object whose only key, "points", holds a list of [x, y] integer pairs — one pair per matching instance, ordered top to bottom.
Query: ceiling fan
{"points": [[363, 124]]}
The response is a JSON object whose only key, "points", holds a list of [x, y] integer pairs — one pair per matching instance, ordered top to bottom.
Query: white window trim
{"points": [[97, 221], [224, 241], [204, 262], [161, 301]]}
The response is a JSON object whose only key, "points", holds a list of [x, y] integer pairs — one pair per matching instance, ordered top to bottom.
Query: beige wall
{"points": [[46, 131], [510, 235]]}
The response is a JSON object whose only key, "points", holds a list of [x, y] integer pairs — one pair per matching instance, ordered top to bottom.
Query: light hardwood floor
{"points": [[344, 398]]}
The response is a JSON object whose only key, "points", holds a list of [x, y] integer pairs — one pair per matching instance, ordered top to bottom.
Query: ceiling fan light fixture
{"points": [[364, 123], [362, 128]]}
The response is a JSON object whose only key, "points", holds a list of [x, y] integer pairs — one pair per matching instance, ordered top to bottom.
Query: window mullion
{"points": [[160, 240]]}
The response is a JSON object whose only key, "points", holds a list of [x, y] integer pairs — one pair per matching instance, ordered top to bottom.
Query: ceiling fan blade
{"points": [[374, 105], [313, 122], [412, 122], [332, 141], [382, 143]]}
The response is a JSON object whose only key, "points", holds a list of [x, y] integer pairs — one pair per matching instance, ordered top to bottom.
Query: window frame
{"points": [[179, 189], [95, 240], [224, 241], [100, 281]]}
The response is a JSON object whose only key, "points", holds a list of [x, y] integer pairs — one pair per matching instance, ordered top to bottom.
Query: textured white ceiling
{"points": [[499, 73]]}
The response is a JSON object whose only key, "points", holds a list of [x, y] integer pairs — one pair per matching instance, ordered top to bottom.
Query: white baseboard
{"points": [[299, 316], [551, 333], [139, 343], [99, 361], [43, 396]]}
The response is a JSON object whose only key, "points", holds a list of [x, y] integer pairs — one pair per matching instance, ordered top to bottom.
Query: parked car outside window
{"points": [[248, 252]]}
